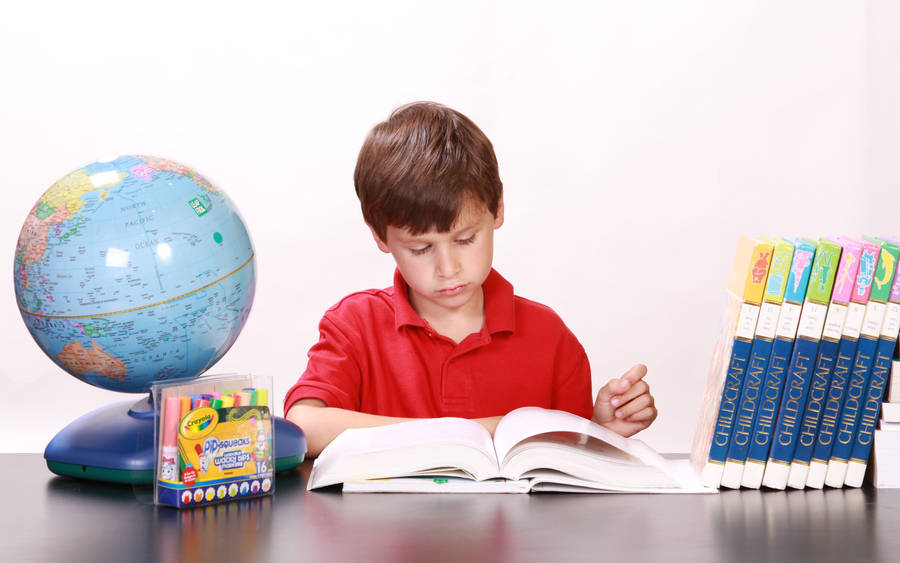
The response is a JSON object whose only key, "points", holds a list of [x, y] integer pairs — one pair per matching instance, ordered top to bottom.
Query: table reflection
{"points": [[100, 521], [792, 524]]}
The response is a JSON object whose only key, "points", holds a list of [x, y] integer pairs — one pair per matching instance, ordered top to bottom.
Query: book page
{"points": [[527, 422], [406, 448], [554, 481]]}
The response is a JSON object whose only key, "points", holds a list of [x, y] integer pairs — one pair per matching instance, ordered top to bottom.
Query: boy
{"points": [[449, 338]]}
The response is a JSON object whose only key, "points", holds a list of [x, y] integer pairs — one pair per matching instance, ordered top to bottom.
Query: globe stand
{"points": [[115, 444]]}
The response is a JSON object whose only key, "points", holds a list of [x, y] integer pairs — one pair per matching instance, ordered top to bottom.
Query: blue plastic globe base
{"points": [[115, 444]]}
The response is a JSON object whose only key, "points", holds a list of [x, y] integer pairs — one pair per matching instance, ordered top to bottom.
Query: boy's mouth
{"points": [[452, 290]]}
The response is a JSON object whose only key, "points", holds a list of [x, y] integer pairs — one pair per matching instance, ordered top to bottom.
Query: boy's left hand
{"points": [[625, 405]]}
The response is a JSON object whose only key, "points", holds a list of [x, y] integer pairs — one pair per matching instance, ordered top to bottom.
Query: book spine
{"points": [[752, 287], [786, 331], [828, 349], [760, 352], [740, 355], [862, 365], [815, 399], [793, 400], [834, 402], [868, 422], [846, 428], [740, 439], [862, 444]]}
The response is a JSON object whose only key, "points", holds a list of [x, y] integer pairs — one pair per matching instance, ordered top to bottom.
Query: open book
{"points": [[533, 449]]}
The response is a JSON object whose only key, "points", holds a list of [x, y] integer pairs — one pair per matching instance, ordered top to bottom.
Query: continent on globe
{"points": [[164, 164], [33, 239], [81, 360]]}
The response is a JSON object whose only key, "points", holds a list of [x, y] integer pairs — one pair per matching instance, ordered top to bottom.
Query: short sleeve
{"points": [[332, 373], [572, 378]]}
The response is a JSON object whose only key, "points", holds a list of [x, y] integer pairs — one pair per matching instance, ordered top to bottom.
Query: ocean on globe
{"points": [[134, 270]]}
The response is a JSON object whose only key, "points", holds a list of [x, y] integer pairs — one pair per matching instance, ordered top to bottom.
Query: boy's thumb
{"points": [[603, 409]]}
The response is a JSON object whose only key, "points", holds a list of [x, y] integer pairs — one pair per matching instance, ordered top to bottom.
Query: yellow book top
{"points": [[750, 269]]}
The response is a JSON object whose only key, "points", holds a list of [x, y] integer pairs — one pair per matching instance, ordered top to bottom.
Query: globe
{"points": [[134, 270]]}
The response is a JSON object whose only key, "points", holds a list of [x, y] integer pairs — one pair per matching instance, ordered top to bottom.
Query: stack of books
{"points": [[795, 385], [886, 456]]}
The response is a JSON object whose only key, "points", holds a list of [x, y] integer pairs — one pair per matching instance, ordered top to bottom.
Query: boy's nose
{"points": [[447, 264]]}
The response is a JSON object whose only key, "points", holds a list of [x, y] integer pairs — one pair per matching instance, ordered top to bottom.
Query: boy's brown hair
{"points": [[417, 169]]}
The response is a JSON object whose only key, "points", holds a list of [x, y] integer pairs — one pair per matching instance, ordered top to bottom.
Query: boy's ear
{"points": [[498, 218], [382, 246]]}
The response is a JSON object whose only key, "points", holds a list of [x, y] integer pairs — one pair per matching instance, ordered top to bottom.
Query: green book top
{"points": [[825, 264], [884, 272]]}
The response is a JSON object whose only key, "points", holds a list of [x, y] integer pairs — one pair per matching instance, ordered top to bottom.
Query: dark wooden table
{"points": [[50, 518]]}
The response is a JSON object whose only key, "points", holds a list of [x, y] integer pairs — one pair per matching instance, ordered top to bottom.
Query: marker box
{"points": [[216, 451]]}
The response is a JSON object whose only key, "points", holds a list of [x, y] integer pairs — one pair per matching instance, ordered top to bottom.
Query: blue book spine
{"points": [[734, 379], [859, 380], [750, 394], [793, 400], [834, 401], [815, 402], [871, 408], [764, 421]]}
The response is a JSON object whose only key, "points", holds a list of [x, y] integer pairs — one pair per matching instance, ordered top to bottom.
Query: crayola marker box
{"points": [[220, 447]]}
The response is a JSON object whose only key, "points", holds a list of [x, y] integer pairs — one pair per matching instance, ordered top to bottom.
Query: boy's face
{"points": [[445, 270]]}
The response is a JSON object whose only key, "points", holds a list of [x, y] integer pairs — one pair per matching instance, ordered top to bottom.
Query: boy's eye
{"points": [[467, 240], [420, 250]]}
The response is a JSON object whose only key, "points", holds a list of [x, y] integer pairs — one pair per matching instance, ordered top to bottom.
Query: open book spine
{"points": [[746, 283], [773, 296], [785, 333], [828, 349], [866, 349], [793, 400], [834, 400], [862, 444]]}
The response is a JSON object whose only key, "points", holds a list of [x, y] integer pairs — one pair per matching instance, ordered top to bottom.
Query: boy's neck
{"points": [[455, 324]]}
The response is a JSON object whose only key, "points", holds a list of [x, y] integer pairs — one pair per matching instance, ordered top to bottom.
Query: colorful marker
{"points": [[169, 449]]}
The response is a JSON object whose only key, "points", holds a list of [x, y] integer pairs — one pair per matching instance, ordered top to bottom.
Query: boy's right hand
{"points": [[625, 405]]}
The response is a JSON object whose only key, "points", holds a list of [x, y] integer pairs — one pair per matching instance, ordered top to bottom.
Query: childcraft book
{"points": [[763, 342], [725, 379], [770, 395], [533, 449]]}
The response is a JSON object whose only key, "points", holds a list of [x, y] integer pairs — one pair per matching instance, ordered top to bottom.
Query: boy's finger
{"points": [[636, 373], [608, 390], [636, 390], [637, 404], [647, 415]]}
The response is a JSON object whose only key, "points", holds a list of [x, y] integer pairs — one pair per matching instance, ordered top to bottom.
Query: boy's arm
{"points": [[625, 405], [321, 424]]}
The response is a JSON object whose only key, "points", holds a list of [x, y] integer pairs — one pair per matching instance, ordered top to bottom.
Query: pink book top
{"points": [[847, 269]]}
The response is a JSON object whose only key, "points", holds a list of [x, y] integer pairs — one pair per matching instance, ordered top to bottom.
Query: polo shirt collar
{"points": [[499, 304]]}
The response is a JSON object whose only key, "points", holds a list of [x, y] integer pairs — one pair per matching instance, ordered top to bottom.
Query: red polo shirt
{"points": [[376, 355]]}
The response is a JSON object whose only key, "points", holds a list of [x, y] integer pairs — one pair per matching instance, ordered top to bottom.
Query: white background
{"points": [[636, 141]]}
